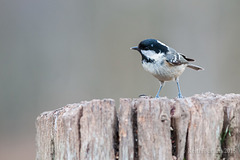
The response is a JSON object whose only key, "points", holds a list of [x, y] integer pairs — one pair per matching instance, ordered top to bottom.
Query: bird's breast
{"points": [[164, 71]]}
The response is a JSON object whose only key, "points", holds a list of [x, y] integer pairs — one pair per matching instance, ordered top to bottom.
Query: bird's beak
{"points": [[135, 48]]}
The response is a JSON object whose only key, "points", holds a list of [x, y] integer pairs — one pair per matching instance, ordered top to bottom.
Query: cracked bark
{"points": [[98, 127], [141, 129], [77, 131], [127, 136]]}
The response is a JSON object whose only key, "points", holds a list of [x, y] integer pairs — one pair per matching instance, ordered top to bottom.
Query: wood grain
{"points": [[204, 126]]}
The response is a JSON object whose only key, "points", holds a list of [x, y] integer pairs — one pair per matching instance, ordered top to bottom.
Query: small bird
{"points": [[163, 62]]}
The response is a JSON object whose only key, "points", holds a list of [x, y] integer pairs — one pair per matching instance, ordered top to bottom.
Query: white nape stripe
{"points": [[162, 43]]}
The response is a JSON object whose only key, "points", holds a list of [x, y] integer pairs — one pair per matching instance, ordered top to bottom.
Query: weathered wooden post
{"points": [[205, 126], [78, 131]]}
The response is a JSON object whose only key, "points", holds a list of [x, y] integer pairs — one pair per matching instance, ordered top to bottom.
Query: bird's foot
{"points": [[180, 95]]}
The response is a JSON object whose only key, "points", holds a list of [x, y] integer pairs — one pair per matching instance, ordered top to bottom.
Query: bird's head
{"points": [[149, 48]]}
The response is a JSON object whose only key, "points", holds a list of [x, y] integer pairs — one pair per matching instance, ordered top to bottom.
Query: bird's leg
{"points": [[161, 85], [179, 91]]}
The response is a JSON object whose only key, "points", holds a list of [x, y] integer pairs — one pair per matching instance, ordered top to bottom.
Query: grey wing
{"points": [[175, 58]]}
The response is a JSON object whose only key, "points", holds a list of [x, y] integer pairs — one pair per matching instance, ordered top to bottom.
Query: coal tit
{"points": [[163, 62]]}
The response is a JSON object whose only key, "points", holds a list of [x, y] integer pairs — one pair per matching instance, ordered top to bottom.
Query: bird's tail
{"points": [[195, 67]]}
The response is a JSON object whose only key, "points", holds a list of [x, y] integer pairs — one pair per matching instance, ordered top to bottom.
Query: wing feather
{"points": [[175, 59], [188, 59]]}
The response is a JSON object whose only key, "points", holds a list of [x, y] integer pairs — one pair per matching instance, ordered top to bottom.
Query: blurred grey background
{"points": [[56, 52]]}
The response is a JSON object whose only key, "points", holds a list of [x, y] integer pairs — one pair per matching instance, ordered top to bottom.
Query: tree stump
{"points": [[205, 126]]}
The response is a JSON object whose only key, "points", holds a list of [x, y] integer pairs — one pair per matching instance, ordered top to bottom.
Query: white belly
{"points": [[164, 71]]}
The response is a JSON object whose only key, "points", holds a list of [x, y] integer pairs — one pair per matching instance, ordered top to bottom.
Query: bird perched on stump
{"points": [[163, 62]]}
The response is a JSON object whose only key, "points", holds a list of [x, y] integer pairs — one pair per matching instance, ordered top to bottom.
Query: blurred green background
{"points": [[55, 52]]}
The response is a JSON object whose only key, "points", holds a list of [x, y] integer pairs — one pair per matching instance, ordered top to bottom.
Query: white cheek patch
{"points": [[148, 53], [152, 54]]}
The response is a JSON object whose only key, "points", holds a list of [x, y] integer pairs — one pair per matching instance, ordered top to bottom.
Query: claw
{"points": [[180, 96]]}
